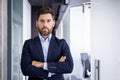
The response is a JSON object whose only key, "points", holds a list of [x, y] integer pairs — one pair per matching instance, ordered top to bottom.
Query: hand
{"points": [[62, 59], [37, 64], [52, 74]]}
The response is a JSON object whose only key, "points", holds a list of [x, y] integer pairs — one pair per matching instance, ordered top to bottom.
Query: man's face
{"points": [[45, 24]]}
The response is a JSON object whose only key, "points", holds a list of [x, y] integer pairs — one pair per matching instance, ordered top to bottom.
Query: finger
{"points": [[64, 57], [61, 59]]}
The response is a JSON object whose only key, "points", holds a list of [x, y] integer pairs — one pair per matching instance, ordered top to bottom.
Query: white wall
{"points": [[26, 20], [59, 31], [79, 37], [105, 38], [3, 39], [76, 39]]}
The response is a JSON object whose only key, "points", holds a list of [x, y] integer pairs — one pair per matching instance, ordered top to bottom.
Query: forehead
{"points": [[46, 16]]}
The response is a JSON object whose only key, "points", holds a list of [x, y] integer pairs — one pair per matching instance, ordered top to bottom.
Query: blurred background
{"points": [[90, 27]]}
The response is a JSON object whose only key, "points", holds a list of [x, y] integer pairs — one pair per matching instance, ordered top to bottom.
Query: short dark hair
{"points": [[45, 10]]}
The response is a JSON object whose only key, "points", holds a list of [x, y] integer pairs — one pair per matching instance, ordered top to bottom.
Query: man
{"points": [[46, 57]]}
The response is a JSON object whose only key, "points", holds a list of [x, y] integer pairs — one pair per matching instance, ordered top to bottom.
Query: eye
{"points": [[49, 20], [42, 21]]}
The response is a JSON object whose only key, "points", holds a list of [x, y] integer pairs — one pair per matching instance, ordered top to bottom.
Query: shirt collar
{"points": [[42, 39]]}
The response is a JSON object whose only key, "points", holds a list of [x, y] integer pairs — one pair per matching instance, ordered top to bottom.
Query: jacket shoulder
{"points": [[31, 40], [60, 41]]}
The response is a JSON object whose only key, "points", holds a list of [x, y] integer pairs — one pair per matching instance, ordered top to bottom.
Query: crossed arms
{"points": [[41, 64], [34, 68]]}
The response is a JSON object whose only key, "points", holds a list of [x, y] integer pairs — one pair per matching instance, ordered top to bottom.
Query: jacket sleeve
{"points": [[26, 64], [62, 67]]}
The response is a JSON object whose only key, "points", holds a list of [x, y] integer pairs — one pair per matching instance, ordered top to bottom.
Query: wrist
{"points": [[41, 64], [45, 66]]}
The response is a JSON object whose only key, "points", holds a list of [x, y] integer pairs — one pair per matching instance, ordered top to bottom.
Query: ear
{"points": [[54, 23]]}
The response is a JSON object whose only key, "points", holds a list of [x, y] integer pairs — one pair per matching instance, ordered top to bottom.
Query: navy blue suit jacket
{"points": [[32, 50]]}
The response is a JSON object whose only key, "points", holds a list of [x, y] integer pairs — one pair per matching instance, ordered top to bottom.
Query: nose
{"points": [[45, 23]]}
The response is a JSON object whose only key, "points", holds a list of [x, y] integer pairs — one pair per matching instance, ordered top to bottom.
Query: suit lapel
{"points": [[39, 46], [51, 47]]}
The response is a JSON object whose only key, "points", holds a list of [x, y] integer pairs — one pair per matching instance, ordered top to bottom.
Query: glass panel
{"points": [[80, 41], [16, 42]]}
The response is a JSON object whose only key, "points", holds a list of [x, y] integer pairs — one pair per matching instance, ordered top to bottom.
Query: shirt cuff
{"points": [[45, 66], [49, 74]]}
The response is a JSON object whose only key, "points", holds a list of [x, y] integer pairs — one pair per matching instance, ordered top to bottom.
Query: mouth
{"points": [[45, 28], [45, 31]]}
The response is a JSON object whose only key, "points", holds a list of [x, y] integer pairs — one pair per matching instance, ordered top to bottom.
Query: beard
{"points": [[45, 31]]}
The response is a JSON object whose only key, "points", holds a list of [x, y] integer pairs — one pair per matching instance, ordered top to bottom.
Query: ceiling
{"points": [[52, 2], [49, 3], [59, 6]]}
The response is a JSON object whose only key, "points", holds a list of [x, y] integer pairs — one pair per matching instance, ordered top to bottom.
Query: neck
{"points": [[45, 37]]}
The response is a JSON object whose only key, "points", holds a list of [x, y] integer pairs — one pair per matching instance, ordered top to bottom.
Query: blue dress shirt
{"points": [[45, 46]]}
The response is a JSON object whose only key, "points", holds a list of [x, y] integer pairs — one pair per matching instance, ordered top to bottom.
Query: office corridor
{"points": [[89, 26]]}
